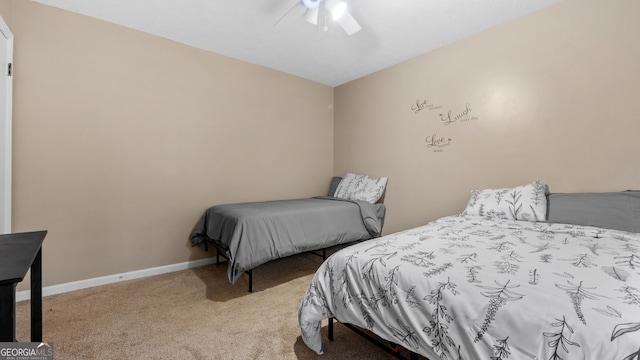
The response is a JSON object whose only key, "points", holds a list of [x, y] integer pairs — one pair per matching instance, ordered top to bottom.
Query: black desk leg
{"points": [[36, 298], [8, 313]]}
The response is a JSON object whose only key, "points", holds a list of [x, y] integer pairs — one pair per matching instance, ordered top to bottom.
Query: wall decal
{"points": [[424, 105], [462, 116], [437, 142]]}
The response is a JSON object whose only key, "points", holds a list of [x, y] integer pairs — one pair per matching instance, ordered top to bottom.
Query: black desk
{"points": [[18, 253]]}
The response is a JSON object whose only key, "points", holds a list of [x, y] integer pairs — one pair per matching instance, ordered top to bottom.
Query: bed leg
{"points": [[324, 254], [217, 256], [250, 272], [330, 329]]}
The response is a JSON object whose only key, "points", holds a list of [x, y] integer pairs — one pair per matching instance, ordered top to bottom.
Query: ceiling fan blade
{"points": [[331, 5], [311, 15], [349, 24]]}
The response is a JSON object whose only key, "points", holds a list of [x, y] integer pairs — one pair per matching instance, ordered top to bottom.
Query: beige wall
{"points": [[6, 11], [552, 96], [122, 140]]}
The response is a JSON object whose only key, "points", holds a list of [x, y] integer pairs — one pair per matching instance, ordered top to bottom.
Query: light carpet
{"points": [[192, 314]]}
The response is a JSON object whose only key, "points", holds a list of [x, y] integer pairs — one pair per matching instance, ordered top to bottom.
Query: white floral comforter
{"points": [[470, 288]]}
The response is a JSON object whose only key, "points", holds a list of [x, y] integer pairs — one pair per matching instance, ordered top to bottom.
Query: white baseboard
{"points": [[110, 279]]}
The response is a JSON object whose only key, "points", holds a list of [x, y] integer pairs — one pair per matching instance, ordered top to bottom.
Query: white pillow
{"points": [[361, 187], [526, 202]]}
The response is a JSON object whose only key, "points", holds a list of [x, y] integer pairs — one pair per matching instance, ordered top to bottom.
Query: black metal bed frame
{"points": [[221, 252], [393, 349]]}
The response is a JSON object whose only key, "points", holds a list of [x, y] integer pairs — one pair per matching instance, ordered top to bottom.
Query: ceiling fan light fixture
{"points": [[311, 4]]}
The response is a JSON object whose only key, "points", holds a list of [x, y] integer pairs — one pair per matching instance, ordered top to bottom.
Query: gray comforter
{"points": [[255, 233]]}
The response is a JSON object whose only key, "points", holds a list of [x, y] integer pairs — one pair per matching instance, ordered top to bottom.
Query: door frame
{"points": [[6, 134]]}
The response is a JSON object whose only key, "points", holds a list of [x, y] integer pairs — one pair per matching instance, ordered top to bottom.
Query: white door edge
{"points": [[6, 42]]}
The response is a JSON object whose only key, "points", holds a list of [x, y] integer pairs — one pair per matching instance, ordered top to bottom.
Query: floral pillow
{"points": [[361, 187], [526, 202]]}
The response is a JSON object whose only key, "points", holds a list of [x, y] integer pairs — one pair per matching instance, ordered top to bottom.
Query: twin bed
{"points": [[251, 234], [520, 274]]}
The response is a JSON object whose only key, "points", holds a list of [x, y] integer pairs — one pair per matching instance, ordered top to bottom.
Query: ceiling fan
{"points": [[336, 8]]}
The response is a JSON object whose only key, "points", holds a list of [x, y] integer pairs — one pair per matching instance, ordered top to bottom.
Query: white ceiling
{"points": [[249, 30]]}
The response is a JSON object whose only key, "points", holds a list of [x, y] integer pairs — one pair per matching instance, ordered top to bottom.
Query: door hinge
{"points": [[9, 69]]}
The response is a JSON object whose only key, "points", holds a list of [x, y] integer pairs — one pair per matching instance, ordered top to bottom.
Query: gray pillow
{"points": [[334, 185], [612, 210]]}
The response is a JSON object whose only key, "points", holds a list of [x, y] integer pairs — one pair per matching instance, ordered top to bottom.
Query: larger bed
{"points": [[251, 234], [496, 282]]}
